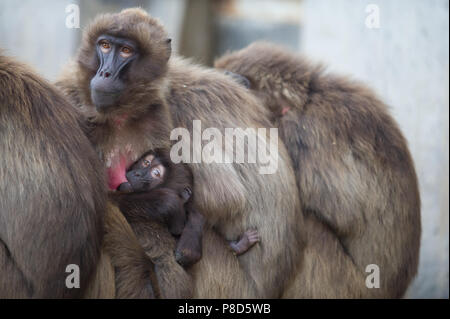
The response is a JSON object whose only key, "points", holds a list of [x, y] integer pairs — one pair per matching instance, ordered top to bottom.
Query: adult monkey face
{"points": [[114, 54], [119, 60]]}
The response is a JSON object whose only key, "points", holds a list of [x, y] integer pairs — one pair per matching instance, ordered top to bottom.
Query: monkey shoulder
{"points": [[198, 93]]}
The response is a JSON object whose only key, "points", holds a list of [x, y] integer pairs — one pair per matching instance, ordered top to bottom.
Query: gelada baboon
{"points": [[133, 95], [355, 175], [164, 188], [52, 190], [159, 190], [53, 203]]}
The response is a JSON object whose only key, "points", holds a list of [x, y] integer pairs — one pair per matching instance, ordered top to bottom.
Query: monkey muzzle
{"points": [[105, 91], [140, 179]]}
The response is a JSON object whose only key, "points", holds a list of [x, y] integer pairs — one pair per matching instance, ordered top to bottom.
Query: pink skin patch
{"points": [[285, 110], [120, 120], [116, 173]]}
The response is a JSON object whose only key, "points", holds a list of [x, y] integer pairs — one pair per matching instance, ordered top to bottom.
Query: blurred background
{"points": [[400, 48]]}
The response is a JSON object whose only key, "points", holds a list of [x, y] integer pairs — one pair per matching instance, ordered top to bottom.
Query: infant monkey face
{"points": [[146, 174]]}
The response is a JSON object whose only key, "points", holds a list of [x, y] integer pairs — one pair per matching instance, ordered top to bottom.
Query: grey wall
{"points": [[239, 23], [35, 32], [406, 61]]}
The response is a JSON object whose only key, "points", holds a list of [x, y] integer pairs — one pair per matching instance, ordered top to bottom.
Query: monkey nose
{"points": [[106, 74], [137, 174]]}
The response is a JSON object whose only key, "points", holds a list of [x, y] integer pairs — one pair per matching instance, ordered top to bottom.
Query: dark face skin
{"points": [[115, 55], [145, 175]]}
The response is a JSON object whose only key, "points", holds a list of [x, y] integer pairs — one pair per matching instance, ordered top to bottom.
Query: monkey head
{"points": [[122, 53], [271, 73], [239, 79], [146, 174]]}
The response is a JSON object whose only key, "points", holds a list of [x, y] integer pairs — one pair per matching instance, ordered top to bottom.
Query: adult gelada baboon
{"points": [[133, 95], [355, 175], [52, 192], [53, 204]]}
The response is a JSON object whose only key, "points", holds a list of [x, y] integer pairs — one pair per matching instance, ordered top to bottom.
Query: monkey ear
{"points": [[240, 79]]}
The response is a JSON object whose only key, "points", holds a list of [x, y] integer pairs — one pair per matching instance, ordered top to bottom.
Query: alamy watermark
{"points": [[73, 16], [373, 17], [236, 145], [73, 280], [373, 280]]}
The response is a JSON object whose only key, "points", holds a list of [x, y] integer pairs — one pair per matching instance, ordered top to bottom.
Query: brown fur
{"points": [[354, 172], [52, 196], [233, 197], [159, 245], [124, 270], [135, 273]]}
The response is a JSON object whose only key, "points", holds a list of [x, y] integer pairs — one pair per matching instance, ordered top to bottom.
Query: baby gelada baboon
{"points": [[157, 189]]}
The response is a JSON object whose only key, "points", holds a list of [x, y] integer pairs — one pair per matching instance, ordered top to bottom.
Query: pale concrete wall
{"points": [[36, 33], [406, 61]]}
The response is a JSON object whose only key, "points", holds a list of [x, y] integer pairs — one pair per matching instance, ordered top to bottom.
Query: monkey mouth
{"points": [[104, 99]]}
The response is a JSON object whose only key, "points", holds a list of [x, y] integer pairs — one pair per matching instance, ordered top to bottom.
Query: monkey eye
{"points": [[105, 46], [126, 52], [145, 163], [156, 172], [188, 191]]}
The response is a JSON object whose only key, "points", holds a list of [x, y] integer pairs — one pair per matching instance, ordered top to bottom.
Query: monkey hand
{"points": [[125, 187], [189, 246], [187, 256]]}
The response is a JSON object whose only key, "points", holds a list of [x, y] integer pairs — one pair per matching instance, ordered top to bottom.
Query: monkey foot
{"points": [[248, 239], [187, 257]]}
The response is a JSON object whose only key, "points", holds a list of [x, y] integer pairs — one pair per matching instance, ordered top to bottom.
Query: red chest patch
{"points": [[120, 120], [116, 173]]}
